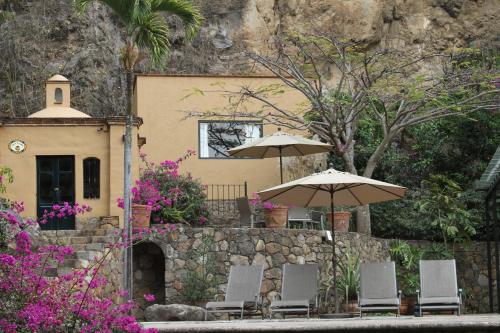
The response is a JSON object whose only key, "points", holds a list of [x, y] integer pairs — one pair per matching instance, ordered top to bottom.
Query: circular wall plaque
{"points": [[17, 146]]}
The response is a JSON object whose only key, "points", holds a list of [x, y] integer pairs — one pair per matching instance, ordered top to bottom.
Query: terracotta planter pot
{"points": [[141, 214], [276, 217], [341, 221], [351, 306], [407, 306]]}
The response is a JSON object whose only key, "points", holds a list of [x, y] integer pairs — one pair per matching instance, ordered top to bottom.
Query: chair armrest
{"points": [[460, 292], [400, 294], [418, 296]]}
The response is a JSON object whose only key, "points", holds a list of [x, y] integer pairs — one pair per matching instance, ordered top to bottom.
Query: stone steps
{"points": [[88, 245]]}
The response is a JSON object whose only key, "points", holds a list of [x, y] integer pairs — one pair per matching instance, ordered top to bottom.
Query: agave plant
{"points": [[348, 280]]}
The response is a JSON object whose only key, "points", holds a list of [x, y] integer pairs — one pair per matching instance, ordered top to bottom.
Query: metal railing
{"points": [[221, 198]]}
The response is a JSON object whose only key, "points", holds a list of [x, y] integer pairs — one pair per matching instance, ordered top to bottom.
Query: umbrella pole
{"points": [[281, 166], [334, 266]]}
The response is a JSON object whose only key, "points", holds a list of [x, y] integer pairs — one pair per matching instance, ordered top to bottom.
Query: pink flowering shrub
{"points": [[173, 197], [255, 201], [32, 302]]}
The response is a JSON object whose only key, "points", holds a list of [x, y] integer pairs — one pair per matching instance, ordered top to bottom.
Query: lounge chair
{"points": [[247, 217], [302, 217], [438, 286], [299, 290], [378, 290], [242, 293]]}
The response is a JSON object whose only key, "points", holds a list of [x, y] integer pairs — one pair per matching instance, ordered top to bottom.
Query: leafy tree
{"points": [[147, 33], [349, 87], [456, 147], [442, 201]]}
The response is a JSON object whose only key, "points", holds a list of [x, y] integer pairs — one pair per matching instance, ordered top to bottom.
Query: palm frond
{"points": [[125, 9], [185, 10], [152, 33]]}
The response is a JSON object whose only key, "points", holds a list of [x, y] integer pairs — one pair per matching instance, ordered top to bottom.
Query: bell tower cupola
{"points": [[58, 93], [58, 100]]}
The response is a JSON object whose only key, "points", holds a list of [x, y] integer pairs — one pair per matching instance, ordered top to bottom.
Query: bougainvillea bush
{"points": [[173, 197], [32, 302]]}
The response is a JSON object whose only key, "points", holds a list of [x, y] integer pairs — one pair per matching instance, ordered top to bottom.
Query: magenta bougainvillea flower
{"points": [[172, 196], [75, 302]]}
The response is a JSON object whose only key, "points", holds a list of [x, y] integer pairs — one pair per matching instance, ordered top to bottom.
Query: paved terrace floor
{"points": [[436, 324]]}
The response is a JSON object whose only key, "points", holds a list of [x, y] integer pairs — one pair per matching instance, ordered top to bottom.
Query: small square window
{"points": [[217, 137]]}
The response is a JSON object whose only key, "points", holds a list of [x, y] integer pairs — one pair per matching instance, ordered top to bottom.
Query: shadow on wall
{"points": [[149, 275]]}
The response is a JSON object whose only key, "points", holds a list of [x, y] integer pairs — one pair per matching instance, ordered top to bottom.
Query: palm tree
{"points": [[147, 33]]}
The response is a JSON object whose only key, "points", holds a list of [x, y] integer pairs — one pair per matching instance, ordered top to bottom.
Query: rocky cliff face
{"points": [[43, 37]]}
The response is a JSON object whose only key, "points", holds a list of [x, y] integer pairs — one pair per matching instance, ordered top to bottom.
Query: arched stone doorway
{"points": [[149, 274]]}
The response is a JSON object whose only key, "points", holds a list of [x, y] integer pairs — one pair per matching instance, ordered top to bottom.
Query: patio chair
{"points": [[247, 217], [305, 218], [438, 286], [299, 290], [378, 291], [242, 293]]}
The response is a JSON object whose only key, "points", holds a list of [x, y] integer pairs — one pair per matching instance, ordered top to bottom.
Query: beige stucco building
{"points": [[164, 102], [61, 154]]}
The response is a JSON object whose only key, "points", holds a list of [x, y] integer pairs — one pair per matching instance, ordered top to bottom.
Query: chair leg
{"points": [[420, 310]]}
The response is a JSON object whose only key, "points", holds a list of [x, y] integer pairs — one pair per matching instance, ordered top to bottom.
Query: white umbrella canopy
{"points": [[280, 144], [332, 187], [348, 190]]}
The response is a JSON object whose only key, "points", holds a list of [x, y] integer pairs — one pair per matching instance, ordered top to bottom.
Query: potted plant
{"points": [[167, 195], [141, 215], [275, 215], [341, 220], [407, 259], [348, 281]]}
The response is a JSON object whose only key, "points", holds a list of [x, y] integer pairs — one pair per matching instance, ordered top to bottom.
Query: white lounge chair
{"points": [[438, 286], [299, 290], [378, 290], [242, 294]]}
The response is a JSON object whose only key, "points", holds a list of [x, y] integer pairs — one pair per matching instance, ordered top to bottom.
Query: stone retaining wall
{"points": [[269, 247], [275, 247]]}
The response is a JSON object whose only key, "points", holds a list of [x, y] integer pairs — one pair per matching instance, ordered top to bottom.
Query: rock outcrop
{"points": [[43, 37], [174, 312]]}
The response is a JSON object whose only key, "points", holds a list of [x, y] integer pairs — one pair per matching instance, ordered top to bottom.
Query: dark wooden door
{"points": [[55, 185]]}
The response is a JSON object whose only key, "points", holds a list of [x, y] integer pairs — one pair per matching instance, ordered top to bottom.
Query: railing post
{"points": [[246, 189]]}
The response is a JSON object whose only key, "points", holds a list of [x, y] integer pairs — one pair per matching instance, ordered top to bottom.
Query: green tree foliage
{"points": [[458, 148], [443, 203]]}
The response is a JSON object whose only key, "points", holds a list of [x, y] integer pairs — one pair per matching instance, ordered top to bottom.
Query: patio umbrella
{"points": [[280, 144], [332, 187]]}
